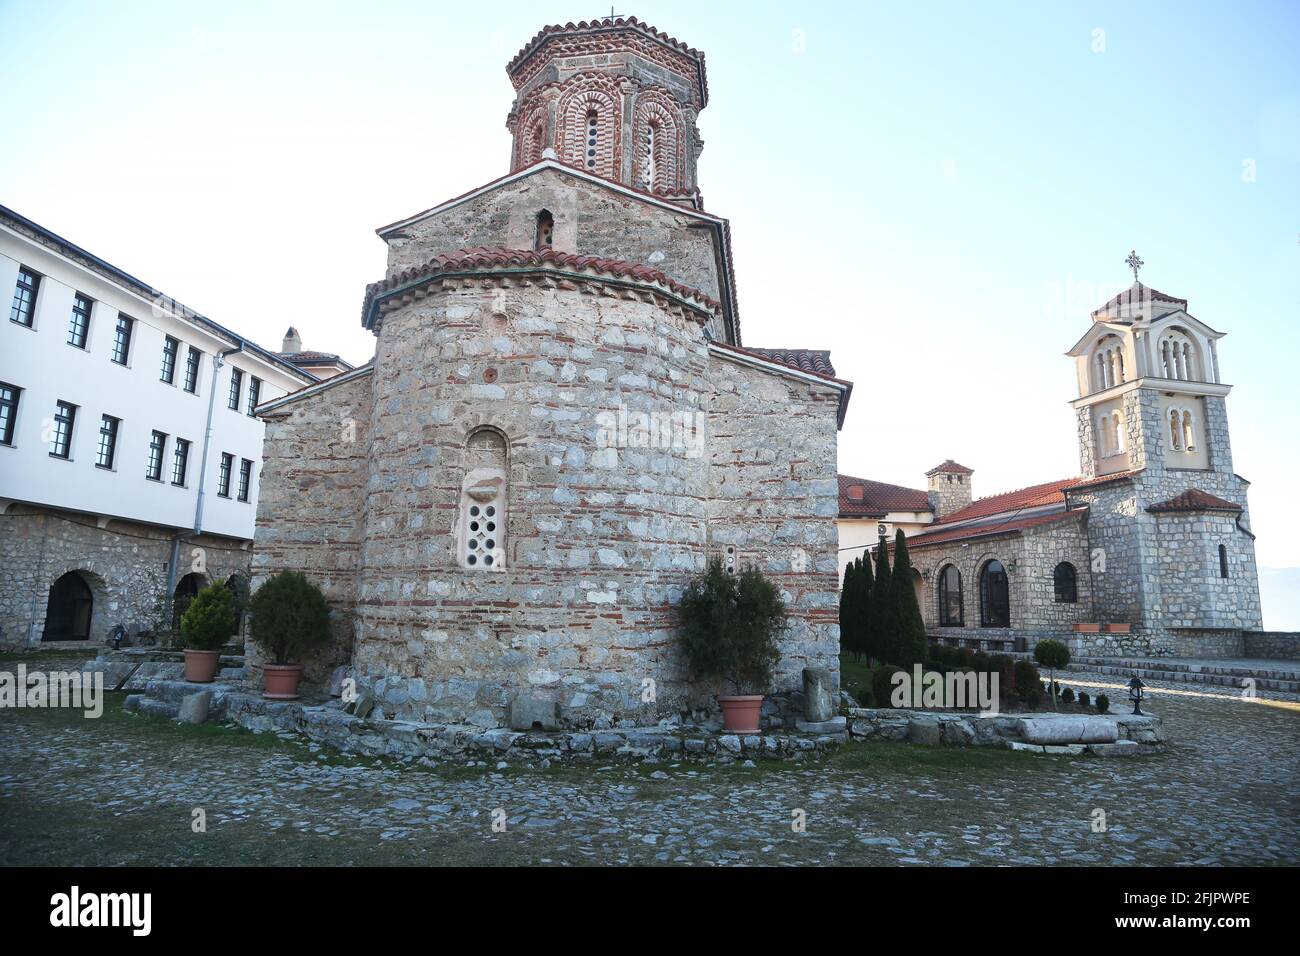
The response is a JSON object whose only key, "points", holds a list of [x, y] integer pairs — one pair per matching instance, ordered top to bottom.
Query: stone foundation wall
{"points": [[311, 508], [124, 563], [1275, 645]]}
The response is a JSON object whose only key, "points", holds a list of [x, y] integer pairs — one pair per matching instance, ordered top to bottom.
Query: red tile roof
{"points": [[485, 259], [1136, 294], [810, 360], [950, 467], [1035, 496], [877, 498], [1194, 500], [945, 535]]}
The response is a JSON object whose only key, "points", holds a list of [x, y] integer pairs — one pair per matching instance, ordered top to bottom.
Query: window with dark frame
{"points": [[23, 309], [79, 321], [122, 339], [170, 348], [192, 361], [236, 385], [254, 393], [9, 395], [61, 441], [107, 442], [157, 448], [180, 460], [223, 475], [245, 478], [1223, 561], [1065, 583], [995, 596], [950, 602]]}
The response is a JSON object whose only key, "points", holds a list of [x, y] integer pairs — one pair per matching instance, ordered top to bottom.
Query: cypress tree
{"points": [[847, 598], [883, 617], [866, 636], [911, 641]]}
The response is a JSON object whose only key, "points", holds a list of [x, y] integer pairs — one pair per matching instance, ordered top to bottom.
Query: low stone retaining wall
{"points": [[1271, 645], [1072, 733]]}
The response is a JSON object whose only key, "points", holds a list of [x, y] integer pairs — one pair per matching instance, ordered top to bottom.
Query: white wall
{"points": [[40, 362], [858, 534]]}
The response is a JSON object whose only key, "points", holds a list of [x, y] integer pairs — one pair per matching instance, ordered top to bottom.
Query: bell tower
{"points": [[613, 97], [1149, 392]]}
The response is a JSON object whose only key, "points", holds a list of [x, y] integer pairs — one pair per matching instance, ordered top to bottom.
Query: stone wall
{"points": [[590, 220], [633, 454], [311, 507], [1030, 558], [124, 564], [1271, 645]]}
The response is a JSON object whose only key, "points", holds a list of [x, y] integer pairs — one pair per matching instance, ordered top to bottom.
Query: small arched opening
{"points": [[545, 230], [187, 589], [69, 609]]}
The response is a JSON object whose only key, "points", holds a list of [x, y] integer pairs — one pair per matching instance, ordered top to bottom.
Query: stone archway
{"points": [[187, 589], [70, 609]]}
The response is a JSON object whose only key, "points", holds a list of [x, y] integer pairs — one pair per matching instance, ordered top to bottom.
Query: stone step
{"points": [[1276, 670], [1148, 672], [174, 691], [140, 704]]}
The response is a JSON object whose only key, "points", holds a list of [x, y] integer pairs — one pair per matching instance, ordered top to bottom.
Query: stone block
{"points": [[818, 695], [194, 708], [534, 713], [833, 725], [1068, 729], [924, 732]]}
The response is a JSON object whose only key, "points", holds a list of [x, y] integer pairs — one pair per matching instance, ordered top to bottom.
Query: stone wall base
{"points": [[1271, 645]]}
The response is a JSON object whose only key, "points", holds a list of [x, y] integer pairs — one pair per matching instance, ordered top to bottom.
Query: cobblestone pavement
{"points": [[123, 790]]}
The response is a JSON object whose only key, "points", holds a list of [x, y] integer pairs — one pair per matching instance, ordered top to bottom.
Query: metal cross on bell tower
{"points": [[1134, 263]]}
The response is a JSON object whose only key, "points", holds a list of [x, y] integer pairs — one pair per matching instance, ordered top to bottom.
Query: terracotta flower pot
{"points": [[1088, 628], [201, 666], [281, 681], [740, 714]]}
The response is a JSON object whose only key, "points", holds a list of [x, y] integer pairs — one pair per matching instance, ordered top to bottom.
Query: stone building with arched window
{"points": [[561, 423], [1147, 551]]}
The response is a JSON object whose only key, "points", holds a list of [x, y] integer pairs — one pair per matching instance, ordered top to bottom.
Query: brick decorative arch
{"points": [[585, 94], [658, 110], [530, 132]]}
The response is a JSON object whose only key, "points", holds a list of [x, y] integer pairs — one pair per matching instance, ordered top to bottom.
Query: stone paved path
{"points": [[123, 789]]}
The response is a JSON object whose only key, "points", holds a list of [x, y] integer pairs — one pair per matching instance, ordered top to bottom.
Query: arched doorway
{"points": [[187, 589], [69, 610]]}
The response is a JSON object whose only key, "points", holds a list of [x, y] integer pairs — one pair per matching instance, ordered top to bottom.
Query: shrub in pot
{"points": [[289, 620], [729, 624], [206, 625]]}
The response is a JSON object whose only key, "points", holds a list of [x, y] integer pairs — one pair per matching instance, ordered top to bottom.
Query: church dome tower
{"points": [[614, 97]]}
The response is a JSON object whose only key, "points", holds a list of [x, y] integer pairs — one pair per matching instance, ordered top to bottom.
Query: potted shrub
{"points": [[289, 619], [729, 624], [206, 625], [1054, 656]]}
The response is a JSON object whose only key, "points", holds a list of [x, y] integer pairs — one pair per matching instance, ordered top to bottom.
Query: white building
{"points": [[129, 454]]}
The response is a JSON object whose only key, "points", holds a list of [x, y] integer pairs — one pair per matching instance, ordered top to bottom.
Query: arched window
{"points": [[593, 137], [650, 168], [545, 230], [1178, 357], [1175, 431], [1117, 432], [1189, 433], [481, 529], [1223, 560], [1065, 583], [995, 596], [950, 605]]}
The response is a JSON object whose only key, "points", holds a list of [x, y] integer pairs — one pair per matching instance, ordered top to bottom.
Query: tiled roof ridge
{"points": [[547, 32], [493, 257], [1139, 292], [759, 354], [809, 360], [950, 467], [879, 497], [1193, 499], [939, 533]]}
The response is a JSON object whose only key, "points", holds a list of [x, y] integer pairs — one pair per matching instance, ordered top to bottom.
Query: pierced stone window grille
{"points": [[593, 136], [481, 528]]}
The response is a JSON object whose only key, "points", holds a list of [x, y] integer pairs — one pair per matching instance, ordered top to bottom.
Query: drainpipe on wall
{"points": [[218, 360]]}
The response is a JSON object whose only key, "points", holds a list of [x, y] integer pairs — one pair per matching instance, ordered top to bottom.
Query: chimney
{"points": [[292, 341], [950, 488]]}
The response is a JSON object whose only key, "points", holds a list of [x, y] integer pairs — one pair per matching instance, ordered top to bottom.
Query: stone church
{"points": [[561, 424], [1148, 550]]}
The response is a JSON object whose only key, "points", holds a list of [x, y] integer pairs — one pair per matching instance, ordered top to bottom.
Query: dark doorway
{"points": [[187, 589], [67, 615]]}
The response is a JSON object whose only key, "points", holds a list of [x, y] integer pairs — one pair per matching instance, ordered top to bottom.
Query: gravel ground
{"points": [[124, 790]]}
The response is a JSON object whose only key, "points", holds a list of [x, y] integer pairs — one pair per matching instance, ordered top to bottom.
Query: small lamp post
{"points": [[1135, 694]]}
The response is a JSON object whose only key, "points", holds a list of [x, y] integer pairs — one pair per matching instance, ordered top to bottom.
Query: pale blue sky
{"points": [[940, 193]]}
